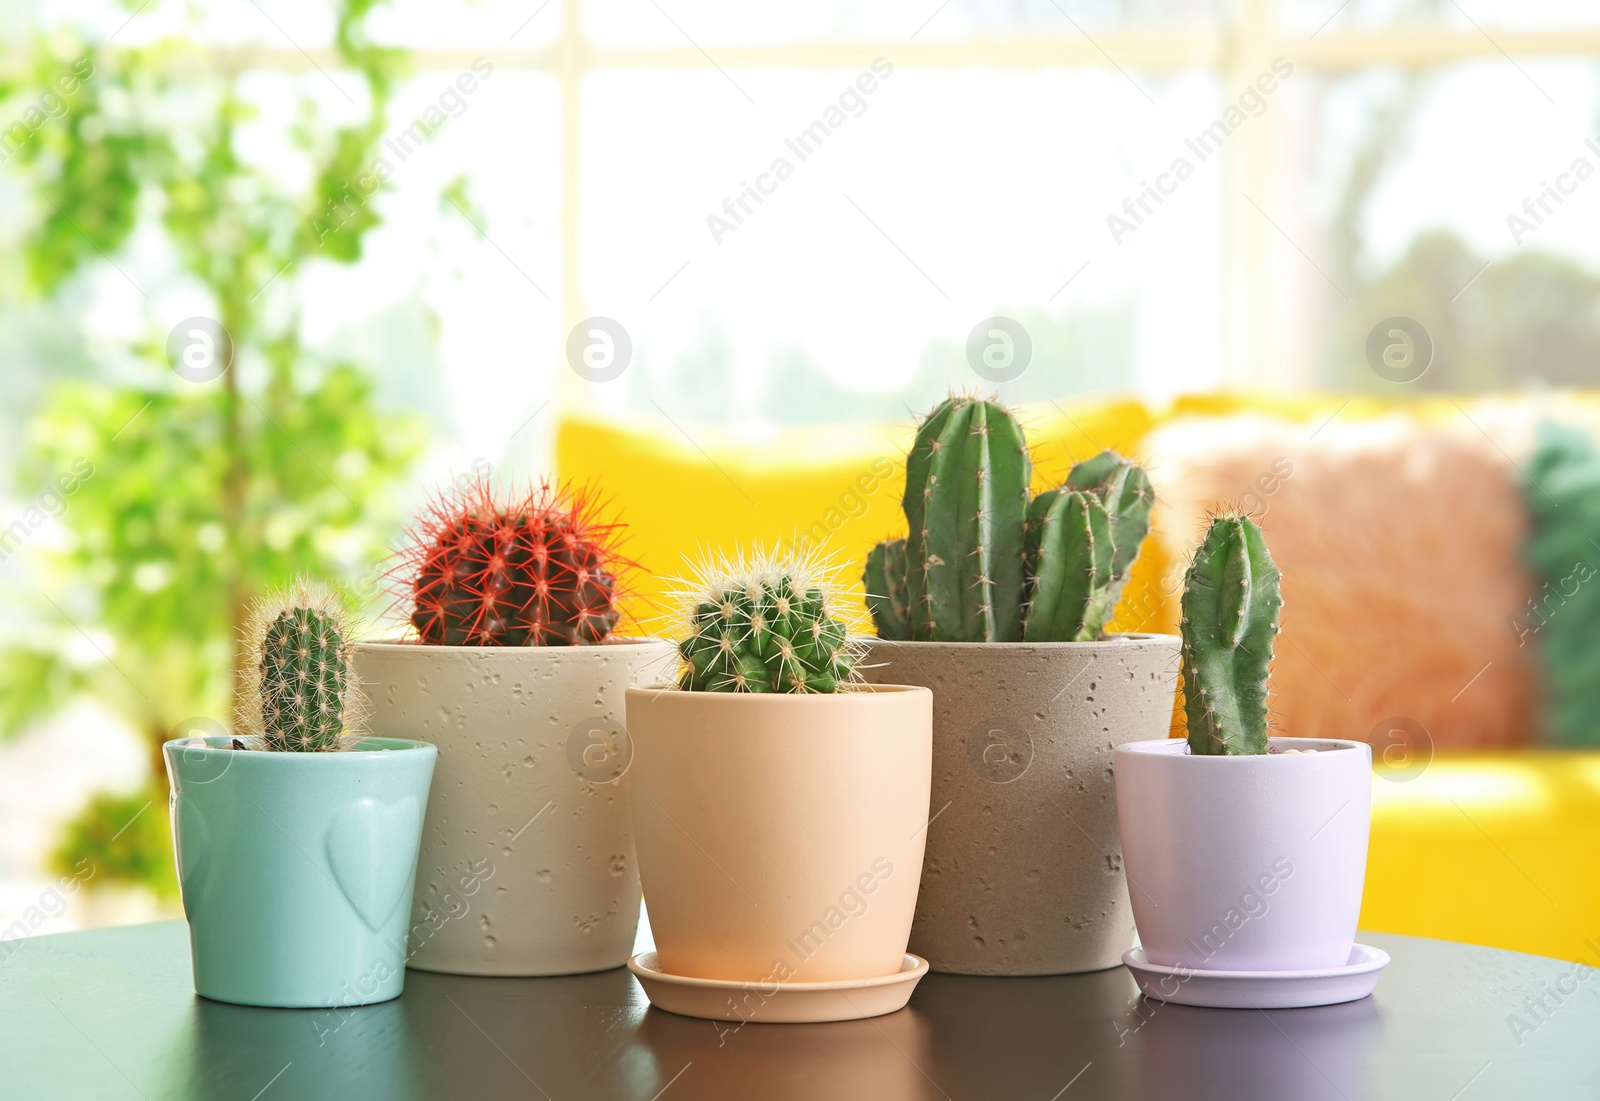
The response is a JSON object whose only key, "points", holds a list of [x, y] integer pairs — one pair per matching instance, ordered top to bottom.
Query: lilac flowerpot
{"points": [[1249, 863]]}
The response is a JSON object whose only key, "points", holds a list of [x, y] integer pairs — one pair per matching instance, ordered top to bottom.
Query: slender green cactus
{"points": [[966, 501], [1070, 558], [982, 564], [887, 595], [1231, 603], [761, 623], [299, 693]]}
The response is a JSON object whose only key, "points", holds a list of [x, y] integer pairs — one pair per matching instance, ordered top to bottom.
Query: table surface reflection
{"points": [[111, 1014]]}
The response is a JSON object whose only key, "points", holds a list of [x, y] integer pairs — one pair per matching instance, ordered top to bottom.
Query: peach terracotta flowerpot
{"points": [[780, 837]]}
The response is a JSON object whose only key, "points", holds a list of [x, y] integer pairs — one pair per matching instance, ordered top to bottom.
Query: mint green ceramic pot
{"points": [[297, 868]]}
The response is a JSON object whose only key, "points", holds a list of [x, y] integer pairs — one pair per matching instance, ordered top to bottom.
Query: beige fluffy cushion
{"points": [[1399, 544]]}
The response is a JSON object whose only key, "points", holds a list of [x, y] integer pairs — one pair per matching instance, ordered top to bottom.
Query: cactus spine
{"points": [[966, 500], [983, 564], [1231, 604], [764, 623], [299, 694]]}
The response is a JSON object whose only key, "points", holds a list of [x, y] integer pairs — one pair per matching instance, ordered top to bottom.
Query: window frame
{"points": [[1235, 52]]}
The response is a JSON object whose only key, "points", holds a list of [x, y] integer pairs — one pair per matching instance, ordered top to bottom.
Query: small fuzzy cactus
{"points": [[983, 562], [538, 568], [1231, 605], [764, 623], [298, 693]]}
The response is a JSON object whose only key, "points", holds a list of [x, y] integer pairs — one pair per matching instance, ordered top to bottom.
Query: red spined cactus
{"points": [[534, 568]]}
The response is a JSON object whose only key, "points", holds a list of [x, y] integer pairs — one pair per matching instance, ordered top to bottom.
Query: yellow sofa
{"points": [[1496, 849]]}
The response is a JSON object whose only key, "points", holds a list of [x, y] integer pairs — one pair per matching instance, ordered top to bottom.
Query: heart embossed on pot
{"points": [[362, 841]]}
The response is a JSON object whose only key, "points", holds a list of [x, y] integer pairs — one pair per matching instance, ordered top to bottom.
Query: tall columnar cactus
{"points": [[965, 502], [983, 564], [537, 568], [1231, 604], [763, 623], [299, 693]]}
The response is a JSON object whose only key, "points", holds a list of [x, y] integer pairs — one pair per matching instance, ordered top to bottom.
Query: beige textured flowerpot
{"points": [[781, 836], [527, 863], [1023, 874]]}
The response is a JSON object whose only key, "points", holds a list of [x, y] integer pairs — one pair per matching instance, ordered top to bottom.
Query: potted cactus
{"points": [[998, 601], [514, 668], [779, 805], [297, 840], [1249, 850]]}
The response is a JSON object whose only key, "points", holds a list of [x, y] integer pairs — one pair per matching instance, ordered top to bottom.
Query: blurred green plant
{"points": [[200, 494], [1562, 618], [125, 838]]}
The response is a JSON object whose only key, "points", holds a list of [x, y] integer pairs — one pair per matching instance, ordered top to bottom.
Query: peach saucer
{"points": [[779, 1002]]}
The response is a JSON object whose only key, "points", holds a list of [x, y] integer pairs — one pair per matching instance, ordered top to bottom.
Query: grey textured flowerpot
{"points": [[527, 864], [1023, 872]]}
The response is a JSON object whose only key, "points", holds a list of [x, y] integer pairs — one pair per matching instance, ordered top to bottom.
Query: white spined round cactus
{"points": [[764, 621], [298, 691]]}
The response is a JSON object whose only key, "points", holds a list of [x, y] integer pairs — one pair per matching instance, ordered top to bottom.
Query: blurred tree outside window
{"points": [[207, 466]]}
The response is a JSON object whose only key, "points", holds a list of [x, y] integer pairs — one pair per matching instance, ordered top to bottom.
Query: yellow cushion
{"points": [[1495, 848]]}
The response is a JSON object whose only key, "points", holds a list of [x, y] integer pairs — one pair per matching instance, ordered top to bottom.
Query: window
{"points": [[1167, 195]]}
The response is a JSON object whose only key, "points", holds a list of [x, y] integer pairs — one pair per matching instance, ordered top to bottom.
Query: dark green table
{"points": [[110, 1015]]}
